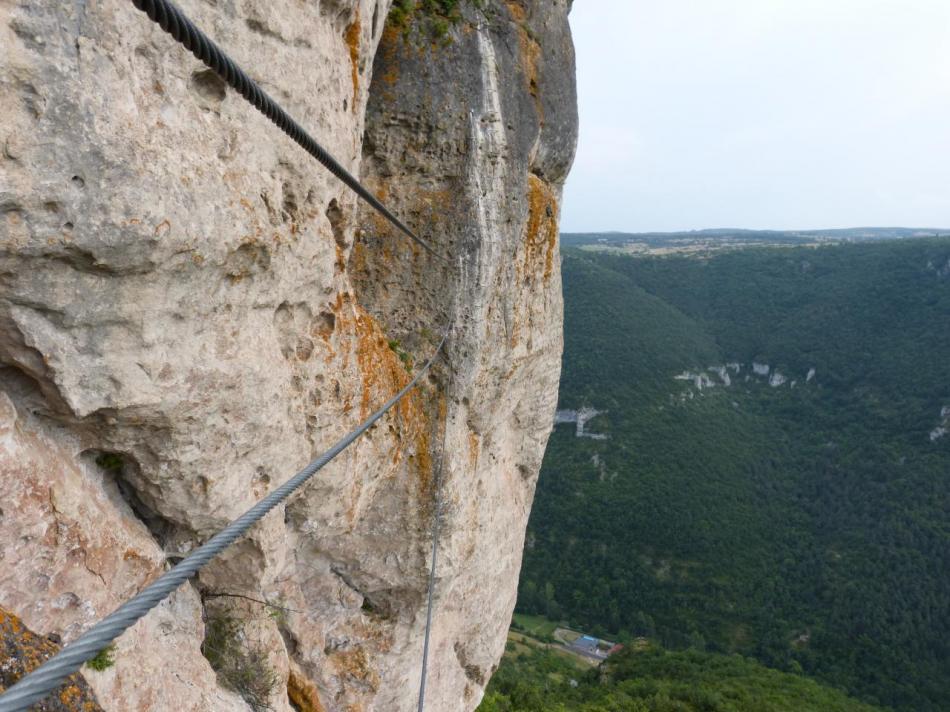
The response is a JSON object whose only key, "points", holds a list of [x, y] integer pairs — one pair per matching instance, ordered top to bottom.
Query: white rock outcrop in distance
{"points": [[191, 308], [776, 379], [699, 380], [702, 381], [580, 418], [944, 427]]}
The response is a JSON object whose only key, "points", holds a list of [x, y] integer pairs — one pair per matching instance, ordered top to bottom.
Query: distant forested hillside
{"points": [[576, 239], [800, 514], [653, 680]]}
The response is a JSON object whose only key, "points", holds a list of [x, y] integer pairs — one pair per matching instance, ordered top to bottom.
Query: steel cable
{"points": [[171, 19], [436, 524], [431, 588], [44, 679], [37, 684]]}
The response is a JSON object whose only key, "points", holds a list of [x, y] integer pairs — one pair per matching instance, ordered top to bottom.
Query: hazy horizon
{"points": [[760, 114], [921, 228]]}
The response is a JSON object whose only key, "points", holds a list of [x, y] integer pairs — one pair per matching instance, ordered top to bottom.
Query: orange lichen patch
{"points": [[517, 11], [352, 38], [389, 45], [530, 54], [382, 190], [435, 205], [379, 225], [541, 230], [358, 256], [340, 262], [340, 321], [323, 326], [382, 371], [383, 374], [474, 445], [421, 461], [133, 555], [378, 638], [22, 651], [354, 664], [303, 693], [69, 695]]}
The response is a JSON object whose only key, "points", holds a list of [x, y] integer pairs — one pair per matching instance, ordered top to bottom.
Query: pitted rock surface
{"points": [[191, 309], [22, 651]]}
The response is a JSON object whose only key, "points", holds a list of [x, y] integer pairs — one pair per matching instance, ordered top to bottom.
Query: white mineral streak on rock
{"points": [[460, 142], [485, 169], [185, 287], [760, 369], [776, 379]]}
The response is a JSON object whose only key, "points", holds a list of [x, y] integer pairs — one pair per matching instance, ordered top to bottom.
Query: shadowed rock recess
{"points": [[191, 308]]}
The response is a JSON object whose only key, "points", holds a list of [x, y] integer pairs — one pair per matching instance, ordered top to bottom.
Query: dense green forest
{"points": [[802, 522], [532, 679]]}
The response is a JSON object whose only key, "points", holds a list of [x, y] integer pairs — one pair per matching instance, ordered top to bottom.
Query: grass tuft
{"points": [[104, 659], [240, 667]]}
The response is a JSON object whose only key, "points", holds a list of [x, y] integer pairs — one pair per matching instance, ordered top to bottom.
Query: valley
{"points": [[772, 478]]}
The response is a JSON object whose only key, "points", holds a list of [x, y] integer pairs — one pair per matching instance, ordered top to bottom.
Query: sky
{"points": [[785, 114]]}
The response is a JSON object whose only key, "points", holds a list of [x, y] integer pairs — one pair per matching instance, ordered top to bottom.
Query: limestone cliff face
{"points": [[191, 308]]}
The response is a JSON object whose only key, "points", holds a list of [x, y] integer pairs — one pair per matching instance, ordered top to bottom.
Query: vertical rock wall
{"points": [[472, 140], [191, 308]]}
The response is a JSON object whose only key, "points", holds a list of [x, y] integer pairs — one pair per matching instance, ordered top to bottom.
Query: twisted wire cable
{"points": [[171, 19], [436, 524], [431, 589], [44, 679]]}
